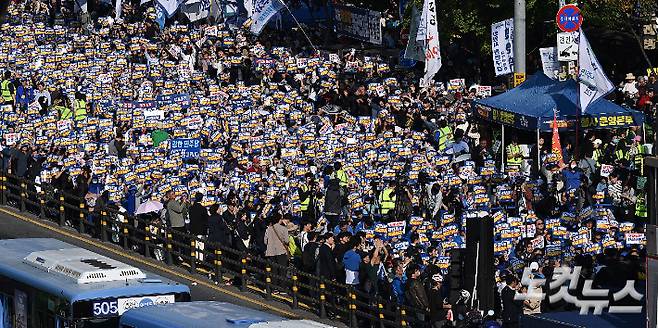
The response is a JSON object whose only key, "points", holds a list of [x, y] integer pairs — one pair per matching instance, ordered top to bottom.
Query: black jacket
{"points": [[332, 202], [198, 219], [218, 231], [310, 256], [326, 263], [416, 295], [512, 308]]}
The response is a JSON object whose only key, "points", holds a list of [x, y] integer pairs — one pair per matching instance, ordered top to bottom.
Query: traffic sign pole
{"points": [[519, 36]]}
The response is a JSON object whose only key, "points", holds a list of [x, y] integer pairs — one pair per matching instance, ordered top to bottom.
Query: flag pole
{"points": [[300, 26]]}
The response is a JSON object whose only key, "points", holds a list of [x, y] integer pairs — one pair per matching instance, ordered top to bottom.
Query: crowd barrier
{"points": [[297, 289]]}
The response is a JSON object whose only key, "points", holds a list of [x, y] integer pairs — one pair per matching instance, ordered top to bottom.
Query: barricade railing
{"points": [[220, 263]]}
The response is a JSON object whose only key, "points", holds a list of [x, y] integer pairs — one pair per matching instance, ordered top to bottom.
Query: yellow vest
{"points": [[7, 96], [80, 109], [64, 112], [445, 137], [514, 149], [639, 157], [342, 176], [307, 201], [387, 202], [641, 207]]}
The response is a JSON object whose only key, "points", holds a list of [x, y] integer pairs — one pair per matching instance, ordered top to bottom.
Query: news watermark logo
{"points": [[567, 279]]}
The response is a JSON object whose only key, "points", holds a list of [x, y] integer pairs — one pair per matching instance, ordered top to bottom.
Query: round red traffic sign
{"points": [[568, 18]]}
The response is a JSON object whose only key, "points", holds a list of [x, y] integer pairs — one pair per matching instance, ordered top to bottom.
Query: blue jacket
{"points": [[572, 179], [398, 288]]}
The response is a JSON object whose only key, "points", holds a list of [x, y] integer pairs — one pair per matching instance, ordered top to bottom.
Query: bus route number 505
{"points": [[105, 308]]}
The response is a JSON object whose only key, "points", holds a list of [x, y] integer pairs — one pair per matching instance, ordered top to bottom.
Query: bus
{"points": [[48, 283], [208, 314]]}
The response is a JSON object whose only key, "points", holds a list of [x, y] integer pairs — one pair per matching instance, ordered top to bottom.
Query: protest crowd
{"points": [[334, 162]]}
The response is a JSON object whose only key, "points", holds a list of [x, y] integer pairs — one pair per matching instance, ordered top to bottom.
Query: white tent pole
{"points": [[502, 150]]}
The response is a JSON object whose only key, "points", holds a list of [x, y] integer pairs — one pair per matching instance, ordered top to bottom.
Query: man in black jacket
{"points": [[198, 217], [199, 224], [326, 264], [415, 291], [512, 308]]}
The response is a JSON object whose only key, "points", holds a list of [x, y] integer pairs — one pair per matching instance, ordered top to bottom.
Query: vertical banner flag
{"points": [[118, 5], [170, 6], [196, 9], [263, 11], [160, 15], [428, 26], [502, 41], [414, 49], [549, 62], [593, 82], [556, 146]]}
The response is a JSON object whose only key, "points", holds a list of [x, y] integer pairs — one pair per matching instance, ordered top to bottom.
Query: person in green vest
{"points": [[8, 89], [80, 106], [65, 113], [444, 135], [637, 152], [597, 153], [514, 155], [340, 174], [307, 196], [387, 198], [641, 205]]}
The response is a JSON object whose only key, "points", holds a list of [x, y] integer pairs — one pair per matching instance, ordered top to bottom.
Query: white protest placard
{"points": [[502, 46], [567, 46], [334, 58], [550, 64], [456, 84], [483, 91], [156, 113], [194, 123], [11, 138], [606, 170], [635, 238]]}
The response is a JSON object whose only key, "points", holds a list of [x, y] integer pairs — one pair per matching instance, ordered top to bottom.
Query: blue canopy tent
{"points": [[530, 106]]}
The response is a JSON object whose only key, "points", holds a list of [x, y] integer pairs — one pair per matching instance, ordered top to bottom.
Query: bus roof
{"points": [[19, 262], [208, 314]]}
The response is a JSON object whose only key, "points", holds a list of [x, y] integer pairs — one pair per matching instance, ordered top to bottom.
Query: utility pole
{"points": [[519, 36]]}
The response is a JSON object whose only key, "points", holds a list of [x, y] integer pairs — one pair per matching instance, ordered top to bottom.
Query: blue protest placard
{"points": [[190, 148]]}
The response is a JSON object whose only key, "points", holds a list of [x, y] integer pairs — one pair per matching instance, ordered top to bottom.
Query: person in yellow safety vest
{"points": [[8, 89], [79, 107], [64, 112], [445, 135], [637, 153], [597, 154], [514, 155], [621, 155], [340, 174], [387, 199], [641, 206]]}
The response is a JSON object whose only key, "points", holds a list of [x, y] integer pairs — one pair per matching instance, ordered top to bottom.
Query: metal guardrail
{"points": [[328, 299]]}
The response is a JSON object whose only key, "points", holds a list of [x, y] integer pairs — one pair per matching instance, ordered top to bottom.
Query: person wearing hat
{"points": [[630, 85], [439, 305]]}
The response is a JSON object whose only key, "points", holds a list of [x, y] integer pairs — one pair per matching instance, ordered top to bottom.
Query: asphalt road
{"points": [[14, 224]]}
